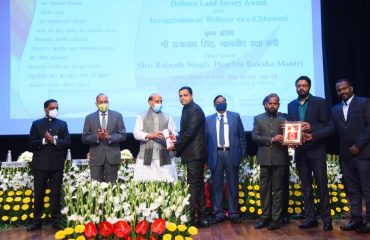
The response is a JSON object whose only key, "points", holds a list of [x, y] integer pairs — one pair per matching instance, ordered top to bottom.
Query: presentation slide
{"points": [[72, 50]]}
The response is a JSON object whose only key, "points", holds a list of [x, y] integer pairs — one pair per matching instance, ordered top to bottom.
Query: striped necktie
{"points": [[221, 131]]}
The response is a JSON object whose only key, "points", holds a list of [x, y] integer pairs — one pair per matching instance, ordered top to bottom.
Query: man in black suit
{"points": [[351, 119], [48, 139], [192, 148], [310, 158]]}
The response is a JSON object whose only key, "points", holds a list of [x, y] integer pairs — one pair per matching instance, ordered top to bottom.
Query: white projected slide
{"points": [[72, 50]]}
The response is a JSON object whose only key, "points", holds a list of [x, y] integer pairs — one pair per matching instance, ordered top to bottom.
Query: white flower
{"points": [[25, 157], [64, 210], [184, 219]]}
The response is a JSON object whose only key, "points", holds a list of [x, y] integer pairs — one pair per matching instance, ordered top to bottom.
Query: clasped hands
{"points": [[103, 135], [48, 137]]}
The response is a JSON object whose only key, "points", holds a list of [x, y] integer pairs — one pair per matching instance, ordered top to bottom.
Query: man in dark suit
{"points": [[351, 119], [104, 130], [48, 139], [226, 147], [192, 148], [310, 158], [273, 159]]}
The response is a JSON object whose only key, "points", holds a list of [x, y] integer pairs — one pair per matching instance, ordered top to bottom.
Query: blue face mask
{"points": [[157, 107], [221, 107]]}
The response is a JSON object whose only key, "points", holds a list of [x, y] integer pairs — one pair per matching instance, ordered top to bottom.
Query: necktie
{"points": [[103, 121], [221, 131]]}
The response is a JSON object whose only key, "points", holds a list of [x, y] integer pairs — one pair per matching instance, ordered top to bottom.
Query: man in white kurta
{"points": [[154, 161]]}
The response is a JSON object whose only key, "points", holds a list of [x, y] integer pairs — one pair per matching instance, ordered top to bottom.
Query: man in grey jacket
{"points": [[104, 130], [273, 159]]}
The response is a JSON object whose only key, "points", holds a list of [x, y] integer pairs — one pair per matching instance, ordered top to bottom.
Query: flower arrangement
{"points": [[249, 198], [132, 202], [158, 229]]}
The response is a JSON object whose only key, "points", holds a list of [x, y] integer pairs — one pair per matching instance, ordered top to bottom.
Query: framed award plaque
{"points": [[292, 133]]}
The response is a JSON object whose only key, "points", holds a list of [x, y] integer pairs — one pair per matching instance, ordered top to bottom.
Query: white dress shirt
{"points": [[346, 106]]}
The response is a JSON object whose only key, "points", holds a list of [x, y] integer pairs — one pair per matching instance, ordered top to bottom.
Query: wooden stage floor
{"points": [[223, 231]]}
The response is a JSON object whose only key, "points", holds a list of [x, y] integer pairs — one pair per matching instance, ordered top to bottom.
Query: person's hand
{"points": [[306, 127], [100, 135], [106, 135], [155, 135], [48, 137], [172, 137], [307, 137], [278, 138], [354, 150]]}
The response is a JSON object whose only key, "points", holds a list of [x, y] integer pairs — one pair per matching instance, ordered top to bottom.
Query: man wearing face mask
{"points": [[104, 130], [49, 137], [226, 148], [273, 159], [154, 161]]}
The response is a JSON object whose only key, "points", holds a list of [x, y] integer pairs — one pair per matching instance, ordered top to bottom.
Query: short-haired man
{"points": [[104, 130]]}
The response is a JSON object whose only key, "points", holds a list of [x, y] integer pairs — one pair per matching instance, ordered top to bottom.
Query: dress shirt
{"points": [[346, 106]]}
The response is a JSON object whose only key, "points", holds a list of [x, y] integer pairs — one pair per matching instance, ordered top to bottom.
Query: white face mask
{"points": [[53, 113]]}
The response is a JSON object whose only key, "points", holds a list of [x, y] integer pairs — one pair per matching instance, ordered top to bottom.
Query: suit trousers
{"points": [[224, 165], [306, 166], [105, 173], [42, 179], [195, 179], [357, 185], [272, 191]]}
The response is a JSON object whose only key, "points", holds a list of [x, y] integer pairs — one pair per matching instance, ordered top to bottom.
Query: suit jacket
{"points": [[318, 116], [265, 127], [356, 130], [236, 139], [191, 142], [99, 150], [48, 157]]}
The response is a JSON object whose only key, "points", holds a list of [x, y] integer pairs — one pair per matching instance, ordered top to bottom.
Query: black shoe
{"points": [[215, 220], [236, 220], [285, 220], [203, 223], [261, 224], [309, 224], [273, 226], [352, 226], [34, 227], [328, 227], [364, 229]]}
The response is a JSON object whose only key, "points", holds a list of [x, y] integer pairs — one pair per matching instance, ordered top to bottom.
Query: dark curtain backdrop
{"points": [[346, 50]]}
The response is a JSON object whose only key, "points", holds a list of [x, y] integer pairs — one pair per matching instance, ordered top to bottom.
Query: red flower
{"points": [[158, 226], [141, 227], [105, 229], [121, 229], [90, 230], [140, 237], [129, 238], [152, 238]]}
